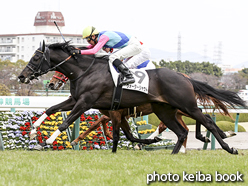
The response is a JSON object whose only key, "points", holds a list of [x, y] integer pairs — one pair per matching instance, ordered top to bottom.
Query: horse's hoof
{"points": [[33, 134], [230, 134], [157, 139], [207, 140], [74, 143], [138, 146], [38, 147], [182, 149], [234, 151]]}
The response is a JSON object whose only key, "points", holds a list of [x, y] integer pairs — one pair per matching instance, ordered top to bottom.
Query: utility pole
{"points": [[179, 48]]}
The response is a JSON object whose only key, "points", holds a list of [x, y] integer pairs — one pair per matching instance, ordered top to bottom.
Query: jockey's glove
{"points": [[74, 52]]}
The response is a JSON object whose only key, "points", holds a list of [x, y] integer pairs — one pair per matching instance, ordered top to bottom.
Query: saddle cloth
{"points": [[141, 77]]}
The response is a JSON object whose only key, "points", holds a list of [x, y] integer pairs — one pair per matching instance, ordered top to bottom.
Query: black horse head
{"points": [[38, 65]]}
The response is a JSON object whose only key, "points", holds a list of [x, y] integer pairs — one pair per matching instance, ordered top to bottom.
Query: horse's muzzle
{"points": [[23, 79]]}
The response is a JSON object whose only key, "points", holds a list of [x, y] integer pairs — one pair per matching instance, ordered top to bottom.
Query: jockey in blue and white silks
{"points": [[130, 49]]}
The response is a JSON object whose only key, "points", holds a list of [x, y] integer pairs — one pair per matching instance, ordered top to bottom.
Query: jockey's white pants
{"points": [[134, 54]]}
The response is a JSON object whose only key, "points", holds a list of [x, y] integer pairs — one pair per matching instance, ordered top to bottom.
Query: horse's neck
{"points": [[74, 68]]}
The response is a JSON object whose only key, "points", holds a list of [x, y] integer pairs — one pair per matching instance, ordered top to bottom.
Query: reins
{"points": [[85, 70]]}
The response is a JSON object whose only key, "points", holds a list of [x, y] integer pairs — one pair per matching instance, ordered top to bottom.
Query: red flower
{"points": [[96, 117], [34, 118], [48, 118], [82, 118], [89, 118], [91, 122], [27, 124], [22, 128], [38, 128], [99, 128], [99, 132], [23, 133], [39, 133], [45, 137], [95, 137], [101, 138], [108, 138], [39, 139], [90, 142], [55, 143], [95, 143], [102, 143], [54, 147], [84, 147], [61, 148], [91, 148]]}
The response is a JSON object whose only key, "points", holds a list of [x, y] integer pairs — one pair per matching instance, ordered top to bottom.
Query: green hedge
{"points": [[243, 117], [227, 126]]}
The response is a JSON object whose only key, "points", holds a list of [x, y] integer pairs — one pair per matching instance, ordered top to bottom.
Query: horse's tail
{"points": [[222, 99]]}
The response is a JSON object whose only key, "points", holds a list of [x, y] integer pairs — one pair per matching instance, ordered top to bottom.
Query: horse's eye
{"points": [[36, 58]]}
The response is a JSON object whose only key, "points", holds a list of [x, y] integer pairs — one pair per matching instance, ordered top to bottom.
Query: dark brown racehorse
{"points": [[59, 79], [168, 92]]}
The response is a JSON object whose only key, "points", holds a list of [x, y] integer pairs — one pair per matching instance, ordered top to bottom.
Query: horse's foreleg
{"points": [[64, 106], [75, 113], [116, 122], [97, 123]]}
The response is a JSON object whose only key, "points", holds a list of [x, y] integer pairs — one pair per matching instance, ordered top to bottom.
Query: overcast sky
{"points": [[202, 24]]}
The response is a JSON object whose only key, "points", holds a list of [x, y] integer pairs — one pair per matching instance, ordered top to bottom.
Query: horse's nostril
{"points": [[21, 78], [51, 86]]}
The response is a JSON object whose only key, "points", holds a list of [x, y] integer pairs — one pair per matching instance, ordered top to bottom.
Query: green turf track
{"points": [[126, 167]]}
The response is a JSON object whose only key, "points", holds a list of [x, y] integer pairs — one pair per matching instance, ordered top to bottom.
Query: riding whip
{"points": [[59, 31]]}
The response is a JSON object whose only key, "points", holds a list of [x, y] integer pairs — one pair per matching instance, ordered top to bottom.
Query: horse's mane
{"points": [[59, 45], [66, 47]]}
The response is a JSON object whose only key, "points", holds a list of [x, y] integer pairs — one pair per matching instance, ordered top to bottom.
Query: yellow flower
{"points": [[67, 113], [52, 117], [60, 118], [59, 122], [47, 128], [51, 128], [55, 128], [45, 133], [64, 133], [64, 137], [60, 142], [83, 143], [69, 147]]}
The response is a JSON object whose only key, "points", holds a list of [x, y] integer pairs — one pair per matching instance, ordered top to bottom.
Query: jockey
{"points": [[131, 49]]}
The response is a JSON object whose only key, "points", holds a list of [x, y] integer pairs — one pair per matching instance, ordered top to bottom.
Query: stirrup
{"points": [[127, 81]]}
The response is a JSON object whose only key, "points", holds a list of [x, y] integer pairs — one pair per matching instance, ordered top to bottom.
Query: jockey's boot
{"points": [[128, 76]]}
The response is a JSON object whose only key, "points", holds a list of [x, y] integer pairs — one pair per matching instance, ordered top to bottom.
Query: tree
{"points": [[189, 67], [4, 91]]}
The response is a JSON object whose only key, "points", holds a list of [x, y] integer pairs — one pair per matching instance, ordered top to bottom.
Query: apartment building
{"points": [[22, 46]]}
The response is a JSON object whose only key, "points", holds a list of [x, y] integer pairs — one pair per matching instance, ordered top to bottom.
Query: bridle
{"points": [[38, 71], [63, 78]]}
